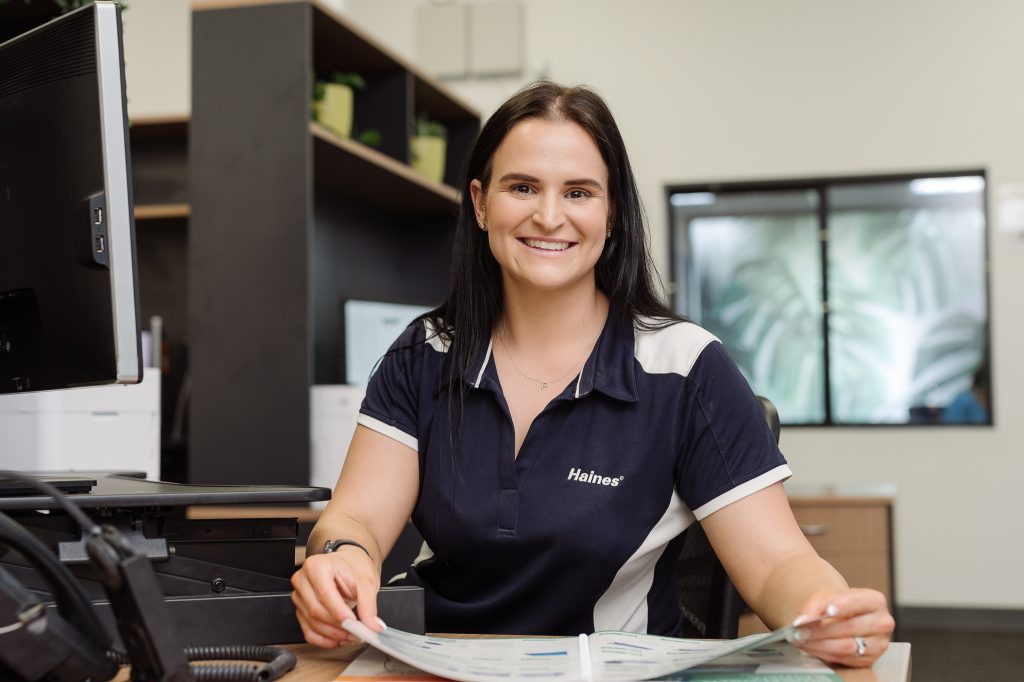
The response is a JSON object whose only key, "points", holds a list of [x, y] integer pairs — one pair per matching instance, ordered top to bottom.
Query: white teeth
{"points": [[547, 246]]}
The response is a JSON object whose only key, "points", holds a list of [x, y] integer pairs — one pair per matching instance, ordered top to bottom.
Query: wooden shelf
{"points": [[153, 127], [370, 177], [162, 211]]}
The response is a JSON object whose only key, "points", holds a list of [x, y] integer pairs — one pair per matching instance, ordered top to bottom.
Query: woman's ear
{"points": [[476, 193]]}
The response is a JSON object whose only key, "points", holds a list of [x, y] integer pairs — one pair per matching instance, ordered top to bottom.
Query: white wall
{"points": [[158, 57], [760, 89]]}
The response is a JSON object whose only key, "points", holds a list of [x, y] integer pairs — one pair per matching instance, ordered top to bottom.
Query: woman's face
{"points": [[547, 206]]}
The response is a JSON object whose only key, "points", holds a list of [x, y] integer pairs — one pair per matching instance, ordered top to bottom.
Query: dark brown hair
{"points": [[624, 272]]}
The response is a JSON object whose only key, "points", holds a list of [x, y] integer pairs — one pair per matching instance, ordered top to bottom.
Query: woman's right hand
{"points": [[326, 590]]}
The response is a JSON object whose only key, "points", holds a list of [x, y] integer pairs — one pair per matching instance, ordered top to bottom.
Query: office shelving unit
{"points": [[159, 153], [288, 219]]}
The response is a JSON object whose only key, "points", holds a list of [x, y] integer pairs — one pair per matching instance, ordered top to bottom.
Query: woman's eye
{"points": [[521, 189], [578, 194]]}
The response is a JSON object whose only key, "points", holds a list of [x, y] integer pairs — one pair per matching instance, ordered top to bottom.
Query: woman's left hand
{"points": [[856, 631]]}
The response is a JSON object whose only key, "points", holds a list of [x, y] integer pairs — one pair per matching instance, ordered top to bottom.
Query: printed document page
{"points": [[611, 656], [629, 656], [633, 656], [479, 660], [779, 662]]}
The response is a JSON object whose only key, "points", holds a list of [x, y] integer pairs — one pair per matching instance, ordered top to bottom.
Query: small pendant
{"points": [[543, 385]]}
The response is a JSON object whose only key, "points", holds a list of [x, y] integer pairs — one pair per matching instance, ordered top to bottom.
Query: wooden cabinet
{"points": [[288, 219], [853, 533]]}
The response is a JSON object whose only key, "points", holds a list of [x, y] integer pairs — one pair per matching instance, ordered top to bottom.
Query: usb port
{"points": [[97, 216], [101, 245]]}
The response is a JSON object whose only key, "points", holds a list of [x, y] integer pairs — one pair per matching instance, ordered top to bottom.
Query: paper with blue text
{"points": [[602, 656]]}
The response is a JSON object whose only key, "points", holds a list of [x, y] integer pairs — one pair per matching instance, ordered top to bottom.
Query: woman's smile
{"points": [[547, 245]]}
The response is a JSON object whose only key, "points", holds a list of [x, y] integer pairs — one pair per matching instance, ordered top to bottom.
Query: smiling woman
{"points": [[546, 212], [552, 394]]}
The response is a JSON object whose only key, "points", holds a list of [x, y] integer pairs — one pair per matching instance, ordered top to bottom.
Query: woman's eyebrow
{"points": [[518, 176], [522, 177], [586, 182]]}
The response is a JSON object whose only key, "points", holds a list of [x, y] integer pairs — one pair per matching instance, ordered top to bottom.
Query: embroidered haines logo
{"points": [[596, 479]]}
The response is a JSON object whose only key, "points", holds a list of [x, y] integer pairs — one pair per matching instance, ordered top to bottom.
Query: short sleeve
{"points": [[391, 405], [728, 449]]}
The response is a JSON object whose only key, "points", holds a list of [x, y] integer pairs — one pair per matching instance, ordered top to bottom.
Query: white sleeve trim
{"points": [[392, 432], [779, 473]]}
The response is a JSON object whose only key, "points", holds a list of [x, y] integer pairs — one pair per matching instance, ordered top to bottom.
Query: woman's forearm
{"points": [[339, 525], [790, 584]]}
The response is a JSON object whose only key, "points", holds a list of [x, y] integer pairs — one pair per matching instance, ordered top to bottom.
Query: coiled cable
{"points": [[276, 662]]}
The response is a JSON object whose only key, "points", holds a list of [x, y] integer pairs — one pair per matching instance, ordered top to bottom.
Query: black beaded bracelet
{"points": [[333, 545]]}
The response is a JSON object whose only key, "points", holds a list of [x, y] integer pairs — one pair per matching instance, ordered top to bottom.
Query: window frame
{"points": [[821, 186]]}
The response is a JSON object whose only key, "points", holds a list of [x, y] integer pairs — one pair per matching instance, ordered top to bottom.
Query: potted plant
{"points": [[333, 101], [427, 148]]}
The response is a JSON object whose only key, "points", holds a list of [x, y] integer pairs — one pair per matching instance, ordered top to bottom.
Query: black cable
{"points": [[50, 491], [72, 603], [276, 662]]}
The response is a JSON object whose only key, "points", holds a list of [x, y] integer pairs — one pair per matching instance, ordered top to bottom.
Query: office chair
{"points": [[710, 604]]}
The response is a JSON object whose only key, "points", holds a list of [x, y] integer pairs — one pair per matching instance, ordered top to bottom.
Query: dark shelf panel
{"points": [[338, 45], [432, 98], [159, 148], [371, 178], [289, 218]]}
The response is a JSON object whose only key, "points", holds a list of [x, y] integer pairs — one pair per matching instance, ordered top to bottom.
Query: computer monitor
{"points": [[69, 313]]}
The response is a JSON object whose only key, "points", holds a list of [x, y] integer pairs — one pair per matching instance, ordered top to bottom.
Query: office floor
{"points": [[945, 656]]}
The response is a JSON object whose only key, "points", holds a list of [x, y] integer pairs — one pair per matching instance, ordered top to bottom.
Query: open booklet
{"points": [[602, 656]]}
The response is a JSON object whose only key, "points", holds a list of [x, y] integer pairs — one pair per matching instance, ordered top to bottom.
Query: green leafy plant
{"points": [[349, 78], [427, 127], [370, 137]]}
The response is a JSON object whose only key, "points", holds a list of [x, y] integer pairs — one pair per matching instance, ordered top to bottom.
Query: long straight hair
{"points": [[624, 271]]}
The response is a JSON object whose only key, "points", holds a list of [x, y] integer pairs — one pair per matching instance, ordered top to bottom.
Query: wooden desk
{"points": [[323, 665]]}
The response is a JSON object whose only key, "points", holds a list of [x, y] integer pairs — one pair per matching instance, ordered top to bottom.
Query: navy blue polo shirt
{"points": [[581, 531]]}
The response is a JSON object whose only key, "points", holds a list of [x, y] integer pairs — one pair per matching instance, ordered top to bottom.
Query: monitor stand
{"points": [[225, 580]]}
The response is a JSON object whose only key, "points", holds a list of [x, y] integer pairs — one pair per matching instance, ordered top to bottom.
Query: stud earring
{"points": [[481, 224], [608, 234]]}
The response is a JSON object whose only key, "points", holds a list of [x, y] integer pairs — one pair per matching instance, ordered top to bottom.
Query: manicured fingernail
{"points": [[832, 610], [800, 620], [382, 623], [800, 635]]}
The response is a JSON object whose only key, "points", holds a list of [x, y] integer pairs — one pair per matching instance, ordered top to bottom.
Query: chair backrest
{"points": [[710, 604]]}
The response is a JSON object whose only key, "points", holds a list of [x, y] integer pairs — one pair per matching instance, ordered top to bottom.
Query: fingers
{"points": [[318, 587], [326, 590], [856, 601], [843, 603], [366, 607], [875, 623], [325, 630], [855, 632], [312, 635], [844, 650]]}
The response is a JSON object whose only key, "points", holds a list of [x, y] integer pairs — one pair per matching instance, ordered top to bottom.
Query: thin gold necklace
{"points": [[543, 384]]}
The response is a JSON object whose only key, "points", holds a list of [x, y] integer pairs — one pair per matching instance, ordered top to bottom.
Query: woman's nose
{"points": [[549, 214]]}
